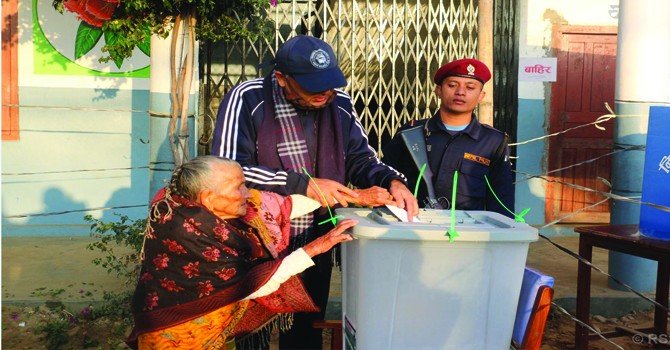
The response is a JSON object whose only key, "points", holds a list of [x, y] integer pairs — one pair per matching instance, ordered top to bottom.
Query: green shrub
{"points": [[125, 233], [109, 237], [55, 333]]}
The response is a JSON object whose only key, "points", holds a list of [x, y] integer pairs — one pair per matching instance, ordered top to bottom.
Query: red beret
{"points": [[466, 67]]}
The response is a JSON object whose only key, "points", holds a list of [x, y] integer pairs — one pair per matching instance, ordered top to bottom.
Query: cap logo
{"points": [[319, 59], [471, 69]]}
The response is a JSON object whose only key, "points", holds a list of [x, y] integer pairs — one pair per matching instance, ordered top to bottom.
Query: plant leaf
{"points": [[87, 37], [145, 46]]}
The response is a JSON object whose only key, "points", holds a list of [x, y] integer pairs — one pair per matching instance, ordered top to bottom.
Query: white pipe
{"points": [[643, 57], [642, 80]]}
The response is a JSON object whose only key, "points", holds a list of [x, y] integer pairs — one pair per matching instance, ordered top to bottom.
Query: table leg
{"points": [[662, 290], [583, 294]]}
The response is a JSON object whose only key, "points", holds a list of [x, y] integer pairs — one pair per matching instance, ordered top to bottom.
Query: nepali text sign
{"points": [[537, 69]]}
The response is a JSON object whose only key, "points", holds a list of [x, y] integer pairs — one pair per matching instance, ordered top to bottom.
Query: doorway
{"points": [[585, 81]]}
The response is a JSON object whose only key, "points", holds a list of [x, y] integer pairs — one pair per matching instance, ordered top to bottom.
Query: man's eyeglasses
{"points": [[295, 86]]}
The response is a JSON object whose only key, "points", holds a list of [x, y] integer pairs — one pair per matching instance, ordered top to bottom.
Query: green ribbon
{"points": [[416, 187], [517, 217], [333, 218], [452, 229]]}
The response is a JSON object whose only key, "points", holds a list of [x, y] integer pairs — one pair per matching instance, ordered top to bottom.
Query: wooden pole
{"points": [[485, 52]]}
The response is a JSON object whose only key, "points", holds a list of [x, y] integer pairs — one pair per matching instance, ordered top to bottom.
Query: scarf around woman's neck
{"points": [[282, 145], [195, 263]]}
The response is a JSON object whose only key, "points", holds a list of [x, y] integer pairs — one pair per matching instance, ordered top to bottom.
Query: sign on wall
{"points": [[55, 42], [537, 69]]}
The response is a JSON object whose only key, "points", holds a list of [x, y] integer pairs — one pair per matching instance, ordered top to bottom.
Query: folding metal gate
{"points": [[388, 51]]}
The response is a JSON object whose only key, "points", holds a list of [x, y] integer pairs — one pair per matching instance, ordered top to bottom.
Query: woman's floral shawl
{"points": [[195, 263]]}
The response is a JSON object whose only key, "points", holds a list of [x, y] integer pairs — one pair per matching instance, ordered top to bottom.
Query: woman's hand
{"points": [[371, 197], [330, 239]]}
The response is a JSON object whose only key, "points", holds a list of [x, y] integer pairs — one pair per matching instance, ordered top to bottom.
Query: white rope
{"points": [[597, 123]]}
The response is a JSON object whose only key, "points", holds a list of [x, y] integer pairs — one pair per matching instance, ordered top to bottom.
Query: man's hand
{"points": [[333, 191], [372, 197], [404, 199], [330, 239]]}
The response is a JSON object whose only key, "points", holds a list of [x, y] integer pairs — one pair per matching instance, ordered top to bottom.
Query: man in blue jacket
{"points": [[293, 132], [456, 141]]}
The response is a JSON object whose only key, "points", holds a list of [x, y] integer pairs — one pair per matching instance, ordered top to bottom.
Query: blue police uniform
{"points": [[477, 152]]}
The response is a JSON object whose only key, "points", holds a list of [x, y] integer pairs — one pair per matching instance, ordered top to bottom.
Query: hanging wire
{"points": [[596, 123], [623, 149], [605, 194], [73, 211], [581, 323]]}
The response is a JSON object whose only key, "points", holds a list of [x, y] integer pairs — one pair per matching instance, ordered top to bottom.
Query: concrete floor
{"points": [[35, 269]]}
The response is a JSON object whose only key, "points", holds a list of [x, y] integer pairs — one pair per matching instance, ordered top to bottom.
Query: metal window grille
{"points": [[388, 51]]}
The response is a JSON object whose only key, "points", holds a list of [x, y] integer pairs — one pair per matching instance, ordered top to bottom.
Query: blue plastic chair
{"points": [[534, 303]]}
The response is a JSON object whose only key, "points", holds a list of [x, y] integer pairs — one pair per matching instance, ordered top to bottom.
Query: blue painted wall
{"points": [[64, 130], [531, 192]]}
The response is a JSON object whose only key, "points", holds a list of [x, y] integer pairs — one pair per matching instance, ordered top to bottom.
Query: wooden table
{"points": [[624, 239]]}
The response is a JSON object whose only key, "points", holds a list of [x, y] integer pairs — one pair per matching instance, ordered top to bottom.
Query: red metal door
{"points": [[585, 81]]}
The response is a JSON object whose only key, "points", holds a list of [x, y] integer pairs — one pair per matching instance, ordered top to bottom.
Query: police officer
{"points": [[456, 141]]}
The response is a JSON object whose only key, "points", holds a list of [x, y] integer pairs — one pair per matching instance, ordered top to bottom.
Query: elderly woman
{"points": [[215, 262]]}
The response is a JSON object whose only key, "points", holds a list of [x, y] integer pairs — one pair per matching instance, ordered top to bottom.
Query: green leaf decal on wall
{"points": [[87, 37], [110, 39]]}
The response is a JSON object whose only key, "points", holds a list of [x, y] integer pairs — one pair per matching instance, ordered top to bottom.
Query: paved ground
{"points": [[37, 268], [605, 300]]}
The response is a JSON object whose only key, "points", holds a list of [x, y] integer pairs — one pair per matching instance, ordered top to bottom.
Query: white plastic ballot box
{"points": [[406, 286]]}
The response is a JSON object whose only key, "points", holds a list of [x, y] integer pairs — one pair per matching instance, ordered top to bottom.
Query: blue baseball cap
{"points": [[311, 62]]}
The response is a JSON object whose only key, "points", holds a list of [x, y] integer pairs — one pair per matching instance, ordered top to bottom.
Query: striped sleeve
{"points": [[235, 112], [235, 136]]}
